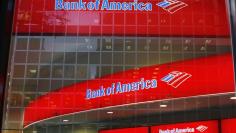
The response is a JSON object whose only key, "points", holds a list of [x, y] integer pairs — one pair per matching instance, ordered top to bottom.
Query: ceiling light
{"points": [[33, 70], [27, 98], [233, 98], [163, 105], [110, 112], [65, 120]]}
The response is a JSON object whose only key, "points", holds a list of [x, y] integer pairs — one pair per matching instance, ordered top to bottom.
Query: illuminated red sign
{"points": [[196, 18], [200, 76], [228, 126], [193, 127], [127, 130]]}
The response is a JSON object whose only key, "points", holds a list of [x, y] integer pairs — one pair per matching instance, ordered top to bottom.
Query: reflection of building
{"points": [[55, 56]]}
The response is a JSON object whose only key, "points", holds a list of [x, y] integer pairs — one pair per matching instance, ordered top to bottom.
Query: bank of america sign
{"points": [[170, 6]]}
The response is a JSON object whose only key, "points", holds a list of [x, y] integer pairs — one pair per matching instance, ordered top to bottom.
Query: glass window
{"points": [[21, 44], [34, 44], [107, 44], [118, 44], [130, 44], [154, 44], [143, 45], [20, 57], [33, 57], [45, 57], [58, 57], [94, 57], [70, 58], [82, 58], [106, 58], [118, 58], [142, 58], [130, 59], [106, 70], [19, 71], [32, 71], [45, 71], [57, 71], [69, 71], [81, 72], [55, 84], [17, 85], [30, 85], [43, 85], [16, 100]]}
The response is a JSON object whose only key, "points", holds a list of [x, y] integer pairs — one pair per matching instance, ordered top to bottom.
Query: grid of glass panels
{"points": [[41, 64]]}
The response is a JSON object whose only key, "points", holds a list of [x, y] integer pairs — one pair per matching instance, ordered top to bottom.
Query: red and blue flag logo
{"points": [[172, 6], [176, 78]]}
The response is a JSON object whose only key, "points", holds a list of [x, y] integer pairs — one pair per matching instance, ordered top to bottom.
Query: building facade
{"points": [[158, 66]]}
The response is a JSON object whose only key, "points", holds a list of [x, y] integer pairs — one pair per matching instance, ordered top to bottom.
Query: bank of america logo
{"points": [[172, 6], [176, 78], [202, 128]]}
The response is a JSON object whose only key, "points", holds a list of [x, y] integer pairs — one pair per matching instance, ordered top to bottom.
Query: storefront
{"points": [[158, 66]]}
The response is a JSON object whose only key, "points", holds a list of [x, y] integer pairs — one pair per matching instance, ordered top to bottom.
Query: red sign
{"points": [[196, 18], [200, 76], [228, 126], [193, 127], [127, 130]]}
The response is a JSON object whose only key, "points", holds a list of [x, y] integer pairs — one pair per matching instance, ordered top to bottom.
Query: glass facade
{"points": [[42, 63]]}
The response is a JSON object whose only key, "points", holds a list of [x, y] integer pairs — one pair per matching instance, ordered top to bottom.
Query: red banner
{"points": [[183, 18], [200, 76], [228, 126], [192, 127]]}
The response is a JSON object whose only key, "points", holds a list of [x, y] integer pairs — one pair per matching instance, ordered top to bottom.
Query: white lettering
{"points": [[104, 5], [117, 88]]}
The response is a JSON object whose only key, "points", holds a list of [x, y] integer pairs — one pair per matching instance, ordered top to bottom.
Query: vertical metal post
{"points": [[232, 11], [6, 13]]}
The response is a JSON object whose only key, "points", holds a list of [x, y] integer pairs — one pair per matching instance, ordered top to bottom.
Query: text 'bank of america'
{"points": [[102, 5], [170, 6]]}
